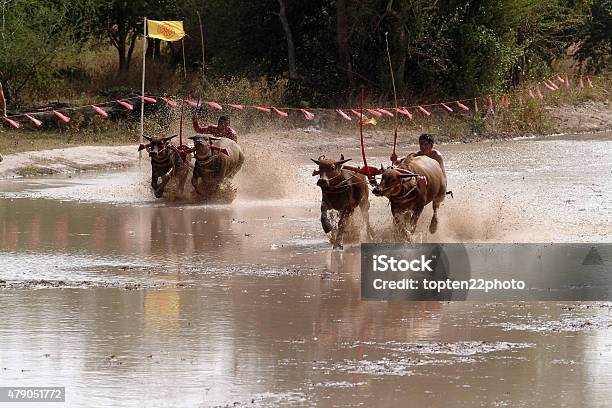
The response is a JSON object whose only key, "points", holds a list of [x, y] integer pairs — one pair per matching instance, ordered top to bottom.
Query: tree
{"points": [[34, 36], [595, 45]]}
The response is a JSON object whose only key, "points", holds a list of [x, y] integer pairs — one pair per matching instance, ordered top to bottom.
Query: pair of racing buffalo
{"points": [[217, 160], [409, 187]]}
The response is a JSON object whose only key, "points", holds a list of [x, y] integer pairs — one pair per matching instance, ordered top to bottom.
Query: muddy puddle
{"points": [[130, 301]]}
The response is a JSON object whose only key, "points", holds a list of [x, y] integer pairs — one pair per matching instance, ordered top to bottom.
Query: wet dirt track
{"points": [[120, 297]]}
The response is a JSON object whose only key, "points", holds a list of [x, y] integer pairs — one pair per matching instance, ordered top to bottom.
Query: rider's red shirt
{"points": [[215, 131]]}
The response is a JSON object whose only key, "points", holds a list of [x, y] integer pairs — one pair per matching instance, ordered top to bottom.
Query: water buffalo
{"points": [[216, 160], [165, 161], [416, 182], [342, 190]]}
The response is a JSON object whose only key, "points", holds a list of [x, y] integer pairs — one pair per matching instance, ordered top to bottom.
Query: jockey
{"points": [[222, 129], [426, 143]]}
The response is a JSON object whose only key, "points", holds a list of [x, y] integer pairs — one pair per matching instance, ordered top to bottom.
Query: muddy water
{"points": [[126, 300]]}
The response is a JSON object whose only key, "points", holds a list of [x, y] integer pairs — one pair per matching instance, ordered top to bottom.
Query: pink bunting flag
{"points": [[560, 79], [581, 82], [590, 82], [553, 84], [567, 84], [549, 86], [539, 92], [531, 93], [148, 99], [490, 100], [169, 101], [506, 101], [190, 102], [125, 104], [215, 105], [475, 105], [236, 106], [462, 106], [262, 108], [448, 108], [100, 111], [425, 111], [375, 112], [385, 112], [404, 112], [280, 113], [356, 113], [307, 115], [344, 115], [62, 117], [34, 120], [12, 122]]}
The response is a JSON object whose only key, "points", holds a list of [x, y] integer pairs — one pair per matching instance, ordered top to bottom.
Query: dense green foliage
{"points": [[325, 48]]}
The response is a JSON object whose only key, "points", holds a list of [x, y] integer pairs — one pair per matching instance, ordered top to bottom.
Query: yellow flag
{"points": [[165, 30]]}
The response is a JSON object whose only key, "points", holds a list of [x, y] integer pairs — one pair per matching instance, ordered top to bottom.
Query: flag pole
{"points": [[202, 42], [142, 102]]}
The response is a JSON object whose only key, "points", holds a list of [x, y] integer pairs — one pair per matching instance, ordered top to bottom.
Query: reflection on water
{"points": [[247, 303]]}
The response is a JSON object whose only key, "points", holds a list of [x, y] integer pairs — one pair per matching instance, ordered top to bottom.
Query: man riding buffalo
{"points": [[222, 129], [426, 144]]}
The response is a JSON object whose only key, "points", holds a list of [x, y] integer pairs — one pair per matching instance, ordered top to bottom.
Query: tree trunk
{"points": [[282, 14], [342, 32], [131, 49], [2, 100]]}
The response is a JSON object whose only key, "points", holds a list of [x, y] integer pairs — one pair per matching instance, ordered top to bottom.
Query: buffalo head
{"points": [[158, 145], [329, 170], [392, 181]]}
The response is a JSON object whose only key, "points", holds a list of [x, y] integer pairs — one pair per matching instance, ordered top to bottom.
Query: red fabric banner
{"points": [[590, 82], [581, 83], [552, 88], [531, 93], [539, 93], [148, 99], [169, 101], [190, 102], [125, 104], [215, 105], [475, 105], [236, 106], [462, 106], [262, 108], [448, 108], [100, 111], [425, 111], [375, 112], [385, 112], [404, 112], [280, 113], [356, 113], [307, 115], [344, 115], [62, 117], [34, 120], [12, 122]]}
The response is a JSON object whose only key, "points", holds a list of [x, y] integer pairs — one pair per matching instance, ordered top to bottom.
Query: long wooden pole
{"points": [[202, 42], [394, 94], [142, 102], [363, 155]]}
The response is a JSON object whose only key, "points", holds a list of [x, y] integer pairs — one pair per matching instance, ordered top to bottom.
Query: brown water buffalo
{"points": [[217, 160], [165, 161], [416, 182], [342, 190]]}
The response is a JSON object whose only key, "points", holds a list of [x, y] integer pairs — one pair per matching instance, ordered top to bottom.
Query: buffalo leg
{"points": [[157, 184], [364, 207], [344, 216], [415, 218], [399, 221], [325, 222], [433, 225]]}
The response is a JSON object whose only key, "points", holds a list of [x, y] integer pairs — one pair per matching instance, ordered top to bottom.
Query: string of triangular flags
{"points": [[471, 104]]}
